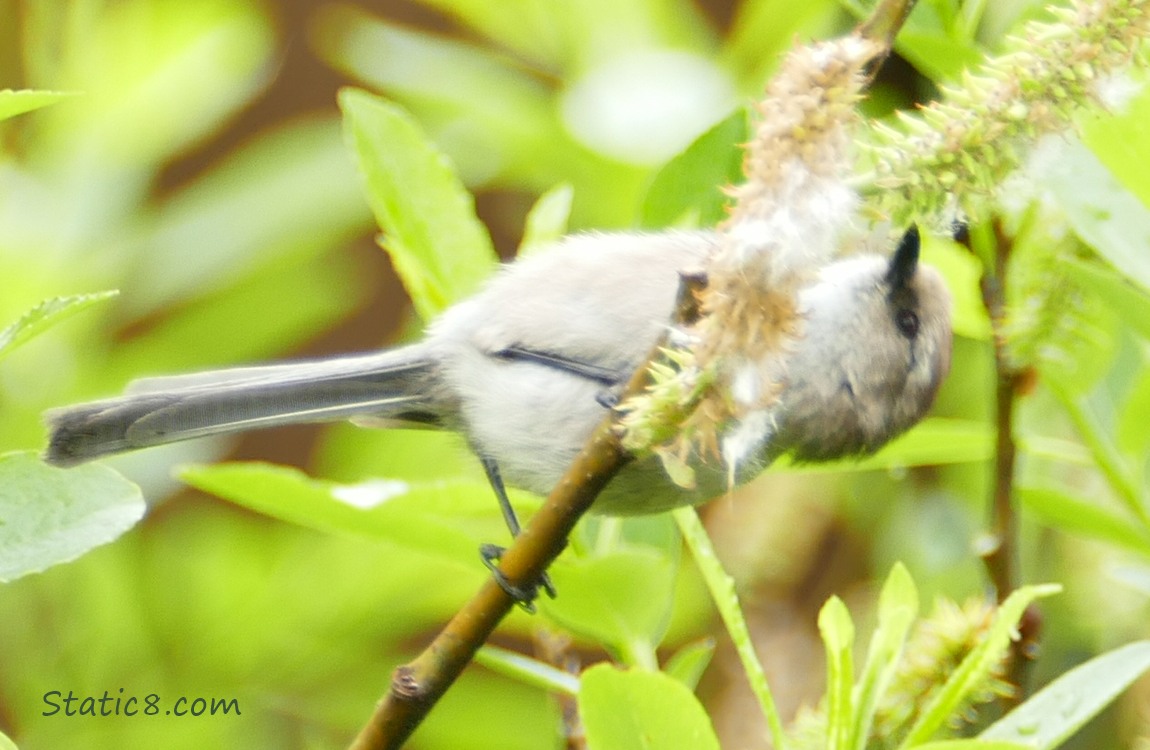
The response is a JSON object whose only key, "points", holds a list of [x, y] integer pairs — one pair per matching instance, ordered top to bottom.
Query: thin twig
{"points": [[883, 25], [1002, 557]]}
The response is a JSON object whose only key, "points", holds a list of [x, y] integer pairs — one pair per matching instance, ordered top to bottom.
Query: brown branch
{"points": [[883, 25], [1002, 556], [1001, 559], [415, 687]]}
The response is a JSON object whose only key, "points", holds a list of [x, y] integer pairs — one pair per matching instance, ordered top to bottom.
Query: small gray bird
{"points": [[523, 367]]}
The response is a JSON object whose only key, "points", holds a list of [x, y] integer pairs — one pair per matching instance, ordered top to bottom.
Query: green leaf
{"points": [[763, 30], [570, 36], [937, 56], [193, 66], [14, 103], [497, 120], [511, 123], [1120, 142], [690, 185], [292, 192], [1102, 212], [547, 220], [437, 245], [963, 274], [1130, 302], [286, 303], [44, 315], [1133, 438], [935, 440], [349, 453], [1107, 457], [420, 515], [50, 516], [1081, 516], [1136, 577], [622, 599], [897, 608], [838, 633], [688, 663], [976, 667], [527, 670], [1061, 708], [635, 709], [977, 744]]}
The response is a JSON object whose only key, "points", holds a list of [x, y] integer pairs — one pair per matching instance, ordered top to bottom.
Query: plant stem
{"points": [[1001, 559], [722, 589]]}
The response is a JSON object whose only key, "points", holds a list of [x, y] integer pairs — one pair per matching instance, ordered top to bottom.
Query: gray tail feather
{"points": [[396, 384]]}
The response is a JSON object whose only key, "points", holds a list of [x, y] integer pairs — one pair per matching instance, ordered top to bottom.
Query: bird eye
{"points": [[907, 322]]}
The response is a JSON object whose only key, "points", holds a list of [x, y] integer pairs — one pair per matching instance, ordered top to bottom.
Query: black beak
{"points": [[905, 260]]}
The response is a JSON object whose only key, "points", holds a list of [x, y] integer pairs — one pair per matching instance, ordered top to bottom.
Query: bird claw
{"points": [[524, 596]]}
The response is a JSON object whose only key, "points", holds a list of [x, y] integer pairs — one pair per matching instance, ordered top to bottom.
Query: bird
{"points": [[525, 369]]}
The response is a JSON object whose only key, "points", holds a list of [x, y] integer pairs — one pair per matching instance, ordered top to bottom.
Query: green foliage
{"points": [[14, 103], [514, 134], [1119, 141], [689, 189], [419, 203], [1102, 211], [547, 220], [231, 245], [219, 259], [963, 273], [47, 313], [932, 441], [1059, 508], [50, 516], [426, 516], [722, 590], [606, 610], [897, 610], [838, 635], [688, 664], [528, 671], [915, 678], [963, 684], [619, 707], [626, 709], [1048, 718], [977, 744]]}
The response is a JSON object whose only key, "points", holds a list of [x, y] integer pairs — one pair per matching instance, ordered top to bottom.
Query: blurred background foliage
{"points": [[200, 169]]}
